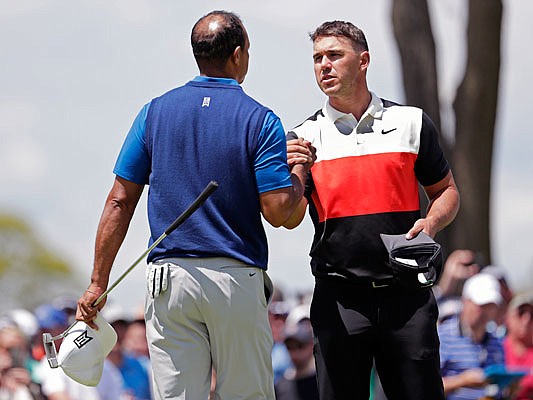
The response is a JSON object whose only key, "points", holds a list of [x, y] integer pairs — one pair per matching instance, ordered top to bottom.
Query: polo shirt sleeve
{"points": [[133, 162], [430, 165], [271, 168]]}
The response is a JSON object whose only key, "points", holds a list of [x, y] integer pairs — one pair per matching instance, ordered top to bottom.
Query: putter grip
{"points": [[202, 197]]}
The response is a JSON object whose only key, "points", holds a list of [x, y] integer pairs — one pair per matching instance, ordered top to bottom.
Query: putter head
{"points": [[50, 350]]}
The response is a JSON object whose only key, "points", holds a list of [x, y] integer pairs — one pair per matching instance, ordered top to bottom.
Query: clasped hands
{"points": [[300, 151]]}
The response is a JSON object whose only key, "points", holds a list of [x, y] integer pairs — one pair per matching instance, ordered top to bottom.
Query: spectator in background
{"points": [[459, 266], [501, 275], [67, 304], [278, 310], [22, 319], [49, 319], [26, 322], [497, 327], [135, 342], [518, 344], [136, 345], [466, 347], [15, 379], [136, 381], [299, 381], [111, 385]]}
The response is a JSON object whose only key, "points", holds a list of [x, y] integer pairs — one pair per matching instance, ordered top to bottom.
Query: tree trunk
{"points": [[414, 37], [475, 109]]}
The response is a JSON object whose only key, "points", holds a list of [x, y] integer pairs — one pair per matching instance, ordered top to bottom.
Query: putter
{"points": [[48, 339]]}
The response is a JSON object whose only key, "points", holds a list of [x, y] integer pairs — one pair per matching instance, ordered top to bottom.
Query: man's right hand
{"points": [[300, 151], [86, 312]]}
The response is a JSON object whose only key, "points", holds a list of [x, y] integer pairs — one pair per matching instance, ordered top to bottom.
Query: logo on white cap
{"points": [[82, 340]]}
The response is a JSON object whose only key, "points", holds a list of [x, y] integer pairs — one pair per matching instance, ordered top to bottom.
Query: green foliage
{"points": [[30, 272]]}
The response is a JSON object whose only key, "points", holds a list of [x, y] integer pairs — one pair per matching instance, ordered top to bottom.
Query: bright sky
{"points": [[75, 74]]}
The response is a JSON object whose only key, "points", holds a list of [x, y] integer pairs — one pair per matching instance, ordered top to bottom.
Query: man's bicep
{"points": [[447, 182], [126, 193], [274, 205]]}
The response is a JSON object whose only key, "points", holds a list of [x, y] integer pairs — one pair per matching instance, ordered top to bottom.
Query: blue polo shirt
{"points": [[208, 129], [459, 353]]}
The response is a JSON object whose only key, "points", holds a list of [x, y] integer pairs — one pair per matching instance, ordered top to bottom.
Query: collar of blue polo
{"points": [[227, 81]]}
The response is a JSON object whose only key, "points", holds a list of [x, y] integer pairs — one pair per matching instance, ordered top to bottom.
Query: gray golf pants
{"points": [[213, 314]]}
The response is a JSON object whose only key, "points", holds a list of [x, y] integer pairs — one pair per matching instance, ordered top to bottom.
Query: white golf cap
{"points": [[482, 289], [299, 313], [25, 320], [83, 351]]}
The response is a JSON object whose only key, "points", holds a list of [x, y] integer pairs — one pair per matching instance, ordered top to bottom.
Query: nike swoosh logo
{"points": [[384, 132], [252, 273]]}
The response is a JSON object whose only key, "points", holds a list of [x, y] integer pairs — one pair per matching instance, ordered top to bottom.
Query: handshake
{"points": [[300, 151]]}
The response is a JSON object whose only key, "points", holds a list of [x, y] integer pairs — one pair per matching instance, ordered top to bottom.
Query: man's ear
{"points": [[236, 56], [364, 60]]}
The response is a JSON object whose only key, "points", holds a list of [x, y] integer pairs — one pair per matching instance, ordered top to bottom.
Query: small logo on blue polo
{"points": [[206, 101]]}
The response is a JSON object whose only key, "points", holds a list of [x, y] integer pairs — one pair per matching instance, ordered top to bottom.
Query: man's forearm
{"points": [[298, 177], [443, 205], [277, 206], [443, 209], [118, 211], [112, 228], [110, 235]]}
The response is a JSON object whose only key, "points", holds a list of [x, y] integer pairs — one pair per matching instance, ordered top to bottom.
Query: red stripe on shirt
{"points": [[362, 185]]}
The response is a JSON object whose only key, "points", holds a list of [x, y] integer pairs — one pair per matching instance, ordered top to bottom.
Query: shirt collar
{"points": [[228, 81], [375, 109]]}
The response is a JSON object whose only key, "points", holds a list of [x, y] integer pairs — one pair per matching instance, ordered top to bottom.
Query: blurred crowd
{"points": [[485, 329], [26, 375]]}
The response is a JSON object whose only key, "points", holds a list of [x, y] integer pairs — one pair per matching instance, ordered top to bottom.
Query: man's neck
{"points": [[227, 71], [217, 75], [355, 105]]}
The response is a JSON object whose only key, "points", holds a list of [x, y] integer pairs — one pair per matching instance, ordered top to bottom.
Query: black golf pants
{"points": [[355, 323]]}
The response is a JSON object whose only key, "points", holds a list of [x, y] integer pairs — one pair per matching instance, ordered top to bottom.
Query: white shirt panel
{"points": [[380, 130]]}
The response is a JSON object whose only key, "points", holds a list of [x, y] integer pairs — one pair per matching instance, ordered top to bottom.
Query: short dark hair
{"points": [[341, 28], [219, 45]]}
